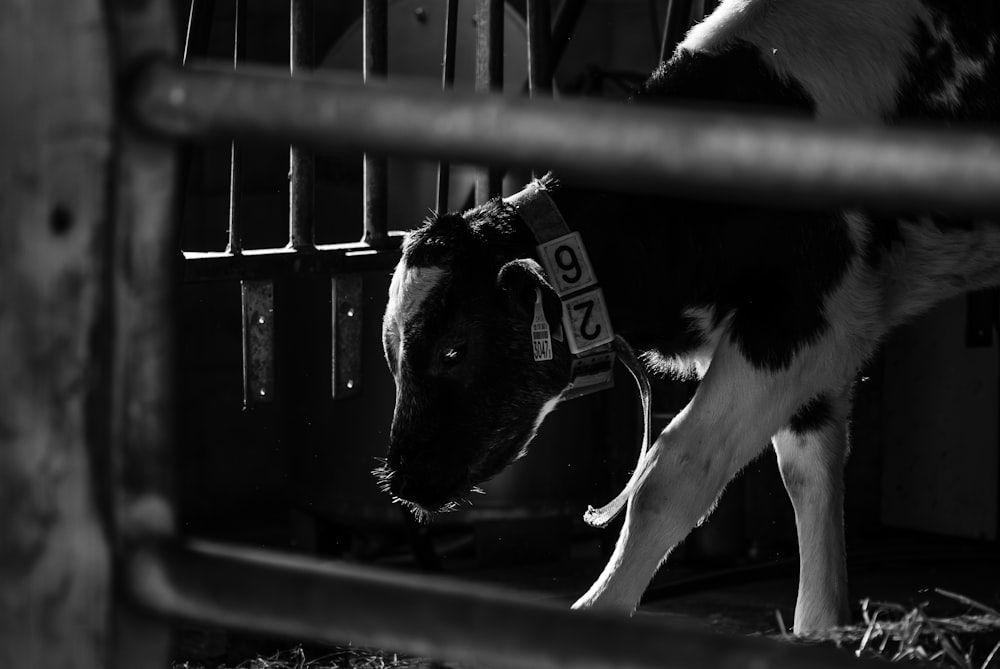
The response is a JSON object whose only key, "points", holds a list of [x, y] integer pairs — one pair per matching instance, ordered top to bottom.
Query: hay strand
{"points": [[899, 633]]}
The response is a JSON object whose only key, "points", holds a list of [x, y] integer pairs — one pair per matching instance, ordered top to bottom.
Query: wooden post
{"points": [[55, 130], [145, 275]]}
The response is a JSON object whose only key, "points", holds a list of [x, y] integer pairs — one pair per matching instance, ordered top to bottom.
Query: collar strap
{"points": [[567, 266], [588, 328]]}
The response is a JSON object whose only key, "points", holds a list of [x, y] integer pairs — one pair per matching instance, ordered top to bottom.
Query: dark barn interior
{"points": [[284, 400], [292, 471]]}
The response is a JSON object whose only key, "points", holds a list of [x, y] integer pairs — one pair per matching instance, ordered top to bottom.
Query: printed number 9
{"points": [[566, 260]]}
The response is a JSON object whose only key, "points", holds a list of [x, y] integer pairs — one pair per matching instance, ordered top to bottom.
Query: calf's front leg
{"points": [[735, 411]]}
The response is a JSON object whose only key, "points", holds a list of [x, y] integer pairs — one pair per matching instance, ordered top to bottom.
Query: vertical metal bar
{"points": [[675, 24], [563, 26], [199, 29], [196, 38], [539, 48], [539, 53], [376, 65], [489, 79], [447, 82], [301, 163], [235, 244]]}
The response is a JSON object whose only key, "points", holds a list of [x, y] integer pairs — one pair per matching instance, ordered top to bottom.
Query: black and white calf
{"points": [[774, 309]]}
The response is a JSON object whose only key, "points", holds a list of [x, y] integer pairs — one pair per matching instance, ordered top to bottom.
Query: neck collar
{"points": [[567, 267], [585, 320]]}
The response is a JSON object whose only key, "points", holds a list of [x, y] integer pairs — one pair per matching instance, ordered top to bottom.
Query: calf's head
{"points": [[457, 338]]}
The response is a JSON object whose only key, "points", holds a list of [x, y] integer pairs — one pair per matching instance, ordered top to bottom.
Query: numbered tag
{"points": [[566, 264], [586, 320], [541, 336], [591, 373]]}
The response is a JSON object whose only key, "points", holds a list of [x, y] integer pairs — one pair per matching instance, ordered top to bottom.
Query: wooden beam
{"points": [[55, 130], [145, 274]]}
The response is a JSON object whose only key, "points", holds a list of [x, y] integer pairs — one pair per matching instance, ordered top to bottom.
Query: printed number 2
{"points": [[566, 260], [586, 320], [589, 331]]}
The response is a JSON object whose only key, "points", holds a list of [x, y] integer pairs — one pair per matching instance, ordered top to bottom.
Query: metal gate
{"points": [[91, 567]]}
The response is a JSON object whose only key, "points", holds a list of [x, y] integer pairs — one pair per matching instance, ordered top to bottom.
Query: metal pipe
{"points": [[675, 24], [563, 26], [199, 28], [539, 48], [539, 53], [376, 66], [489, 79], [447, 82], [635, 148], [301, 163], [235, 242], [284, 262], [438, 618]]}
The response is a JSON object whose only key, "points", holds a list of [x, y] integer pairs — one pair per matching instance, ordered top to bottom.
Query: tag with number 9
{"points": [[567, 264]]}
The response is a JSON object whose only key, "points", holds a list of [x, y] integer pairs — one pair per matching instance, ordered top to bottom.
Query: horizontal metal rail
{"points": [[653, 149], [273, 263], [336, 603]]}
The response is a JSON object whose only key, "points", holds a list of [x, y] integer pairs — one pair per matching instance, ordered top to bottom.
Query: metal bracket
{"points": [[347, 292], [258, 341]]}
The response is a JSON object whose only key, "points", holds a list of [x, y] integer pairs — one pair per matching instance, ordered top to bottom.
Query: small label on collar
{"points": [[567, 264], [585, 317], [541, 336], [591, 373]]}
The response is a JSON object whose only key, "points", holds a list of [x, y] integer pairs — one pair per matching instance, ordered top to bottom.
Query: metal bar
{"points": [[675, 24], [563, 26], [199, 29], [196, 39], [539, 48], [539, 53], [376, 67], [489, 79], [447, 82], [659, 150], [301, 162], [234, 244], [280, 263], [438, 618]]}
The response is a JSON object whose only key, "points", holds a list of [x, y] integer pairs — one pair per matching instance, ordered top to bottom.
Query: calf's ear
{"points": [[518, 279]]}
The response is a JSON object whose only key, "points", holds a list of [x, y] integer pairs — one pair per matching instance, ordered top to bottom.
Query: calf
{"points": [[774, 309]]}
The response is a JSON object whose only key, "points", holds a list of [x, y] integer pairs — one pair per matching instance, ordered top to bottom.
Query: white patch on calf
{"points": [[850, 57], [931, 264], [409, 288], [691, 364], [546, 409]]}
